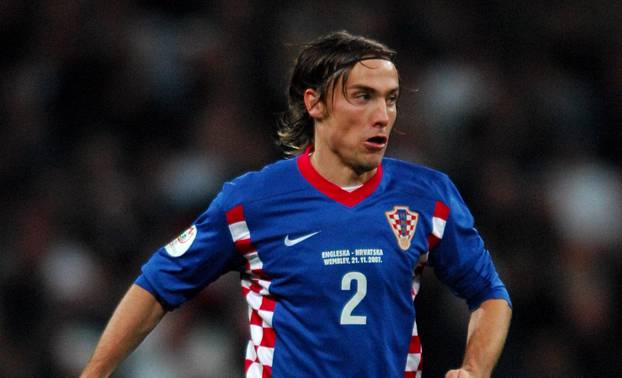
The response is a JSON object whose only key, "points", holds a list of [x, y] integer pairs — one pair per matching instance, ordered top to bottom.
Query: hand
{"points": [[459, 373]]}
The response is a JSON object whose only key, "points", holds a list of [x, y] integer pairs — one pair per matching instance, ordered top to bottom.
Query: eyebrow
{"points": [[366, 88]]}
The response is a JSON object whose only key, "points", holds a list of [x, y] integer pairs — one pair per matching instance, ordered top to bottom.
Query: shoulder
{"points": [[417, 170], [416, 177], [273, 179]]}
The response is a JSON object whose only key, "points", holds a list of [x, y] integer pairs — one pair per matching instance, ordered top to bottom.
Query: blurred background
{"points": [[120, 120]]}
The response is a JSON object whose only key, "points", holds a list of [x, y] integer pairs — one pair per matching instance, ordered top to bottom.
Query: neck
{"points": [[333, 169]]}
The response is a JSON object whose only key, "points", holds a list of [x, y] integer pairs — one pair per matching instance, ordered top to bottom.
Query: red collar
{"points": [[333, 191]]}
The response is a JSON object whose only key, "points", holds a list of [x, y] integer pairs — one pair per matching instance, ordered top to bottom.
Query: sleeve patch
{"points": [[182, 243]]}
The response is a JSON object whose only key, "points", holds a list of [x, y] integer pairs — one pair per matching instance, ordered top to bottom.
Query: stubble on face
{"points": [[365, 111], [357, 119]]}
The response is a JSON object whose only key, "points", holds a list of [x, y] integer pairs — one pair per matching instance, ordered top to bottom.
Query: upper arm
{"points": [[201, 254], [461, 260]]}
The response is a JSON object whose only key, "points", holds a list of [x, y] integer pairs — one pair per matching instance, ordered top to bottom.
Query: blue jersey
{"points": [[330, 276]]}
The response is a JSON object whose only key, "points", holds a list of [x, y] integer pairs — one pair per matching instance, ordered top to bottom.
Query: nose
{"points": [[381, 114]]}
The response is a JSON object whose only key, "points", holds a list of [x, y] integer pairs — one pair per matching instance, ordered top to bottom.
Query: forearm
{"points": [[135, 316], [487, 331]]}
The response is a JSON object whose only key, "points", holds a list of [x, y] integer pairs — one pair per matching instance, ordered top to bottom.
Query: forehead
{"points": [[375, 73]]}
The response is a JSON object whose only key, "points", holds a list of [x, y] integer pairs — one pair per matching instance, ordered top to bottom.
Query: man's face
{"points": [[359, 119]]}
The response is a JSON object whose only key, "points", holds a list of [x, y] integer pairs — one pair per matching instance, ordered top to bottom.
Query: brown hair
{"points": [[320, 65]]}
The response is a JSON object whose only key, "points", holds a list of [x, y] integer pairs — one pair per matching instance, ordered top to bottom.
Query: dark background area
{"points": [[119, 121]]}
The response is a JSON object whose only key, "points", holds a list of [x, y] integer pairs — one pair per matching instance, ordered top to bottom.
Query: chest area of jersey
{"points": [[309, 243]]}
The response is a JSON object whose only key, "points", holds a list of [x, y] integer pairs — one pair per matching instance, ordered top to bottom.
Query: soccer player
{"points": [[330, 244]]}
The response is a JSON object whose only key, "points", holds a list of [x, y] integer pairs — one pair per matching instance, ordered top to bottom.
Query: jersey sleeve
{"points": [[197, 257], [460, 259]]}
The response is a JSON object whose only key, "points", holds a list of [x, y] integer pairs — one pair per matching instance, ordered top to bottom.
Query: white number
{"points": [[361, 291]]}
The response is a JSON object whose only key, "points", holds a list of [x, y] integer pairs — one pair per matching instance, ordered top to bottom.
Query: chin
{"points": [[364, 167]]}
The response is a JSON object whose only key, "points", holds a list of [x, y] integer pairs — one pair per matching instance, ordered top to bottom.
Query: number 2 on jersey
{"points": [[361, 291]]}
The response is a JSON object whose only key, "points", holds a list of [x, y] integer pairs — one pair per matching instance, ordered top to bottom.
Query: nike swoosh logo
{"points": [[289, 242]]}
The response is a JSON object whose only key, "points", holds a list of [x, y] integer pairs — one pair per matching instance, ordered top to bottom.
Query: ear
{"points": [[314, 106]]}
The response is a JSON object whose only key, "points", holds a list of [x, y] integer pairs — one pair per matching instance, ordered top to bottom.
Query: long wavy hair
{"points": [[321, 64]]}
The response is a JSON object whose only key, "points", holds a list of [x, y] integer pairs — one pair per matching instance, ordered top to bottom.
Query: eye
{"points": [[362, 96], [392, 99]]}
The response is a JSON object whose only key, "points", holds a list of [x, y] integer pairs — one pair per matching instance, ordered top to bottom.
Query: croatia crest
{"points": [[403, 222]]}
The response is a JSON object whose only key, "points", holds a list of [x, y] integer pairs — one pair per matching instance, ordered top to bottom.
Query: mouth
{"points": [[376, 143]]}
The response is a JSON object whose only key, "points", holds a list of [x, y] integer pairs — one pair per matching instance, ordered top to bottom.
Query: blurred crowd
{"points": [[120, 120]]}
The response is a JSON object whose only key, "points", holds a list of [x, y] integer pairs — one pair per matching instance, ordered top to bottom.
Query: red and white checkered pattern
{"points": [[439, 219], [411, 221], [403, 228], [416, 284], [256, 290], [413, 360]]}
